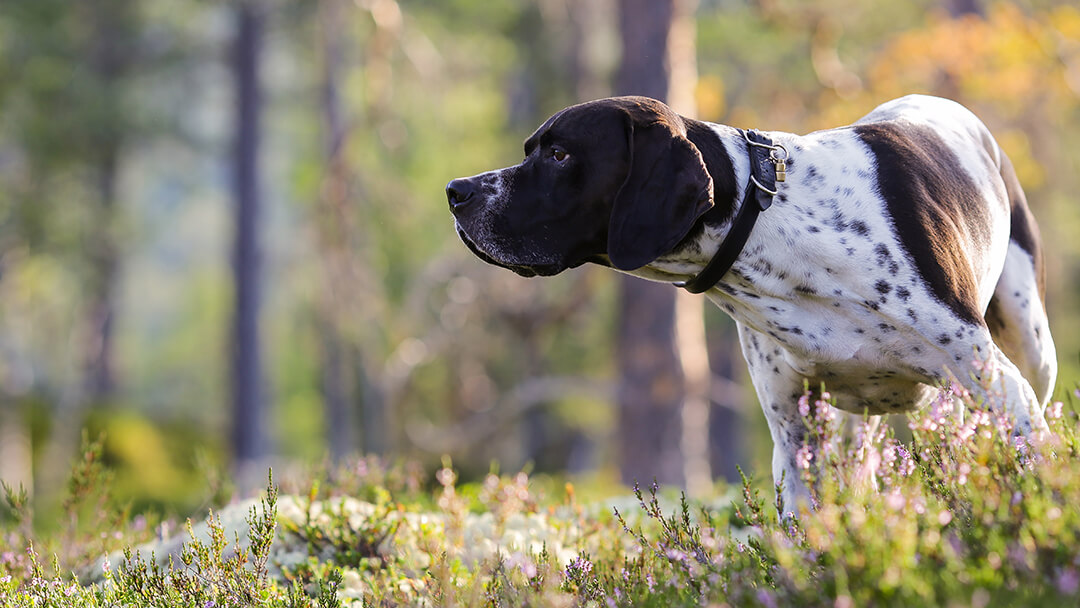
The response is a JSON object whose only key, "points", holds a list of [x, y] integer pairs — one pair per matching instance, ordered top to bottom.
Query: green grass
{"points": [[963, 515]]}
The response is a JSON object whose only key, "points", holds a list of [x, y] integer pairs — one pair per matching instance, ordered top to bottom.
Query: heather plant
{"points": [[953, 510], [964, 513]]}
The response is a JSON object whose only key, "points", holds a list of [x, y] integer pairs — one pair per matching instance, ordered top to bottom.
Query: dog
{"points": [[881, 259]]}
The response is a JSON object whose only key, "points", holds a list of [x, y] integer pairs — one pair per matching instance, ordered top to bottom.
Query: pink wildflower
{"points": [[804, 405], [823, 410], [1053, 412], [1003, 423], [965, 432], [803, 457], [868, 468], [446, 476], [895, 500], [919, 504]]}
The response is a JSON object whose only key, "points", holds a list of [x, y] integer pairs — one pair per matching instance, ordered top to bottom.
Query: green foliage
{"points": [[962, 514], [210, 573]]}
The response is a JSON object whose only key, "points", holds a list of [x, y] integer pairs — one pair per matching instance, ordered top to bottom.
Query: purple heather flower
{"points": [[804, 405], [803, 457], [907, 463], [581, 565], [1068, 581], [766, 598]]}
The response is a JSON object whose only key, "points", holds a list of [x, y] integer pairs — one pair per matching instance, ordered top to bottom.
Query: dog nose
{"points": [[459, 192]]}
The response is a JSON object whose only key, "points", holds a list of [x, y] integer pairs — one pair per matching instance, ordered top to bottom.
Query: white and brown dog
{"points": [[896, 251]]}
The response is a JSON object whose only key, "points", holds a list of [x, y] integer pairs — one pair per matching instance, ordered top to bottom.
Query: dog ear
{"points": [[667, 189]]}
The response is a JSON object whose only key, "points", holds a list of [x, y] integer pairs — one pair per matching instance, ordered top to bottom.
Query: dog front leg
{"points": [[779, 388]]}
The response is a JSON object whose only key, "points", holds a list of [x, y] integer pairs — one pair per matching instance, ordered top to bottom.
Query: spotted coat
{"points": [[899, 251]]}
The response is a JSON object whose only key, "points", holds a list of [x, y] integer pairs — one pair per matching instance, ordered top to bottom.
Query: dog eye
{"points": [[559, 154]]}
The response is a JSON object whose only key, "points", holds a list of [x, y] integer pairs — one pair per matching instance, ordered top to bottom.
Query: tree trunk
{"points": [[109, 60], [690, 308], [99, 379], [650, 388], [338, 393], [727, 403], [249, 424]]}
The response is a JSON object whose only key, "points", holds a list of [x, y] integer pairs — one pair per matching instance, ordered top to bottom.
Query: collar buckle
{"points": [[765, 173]]}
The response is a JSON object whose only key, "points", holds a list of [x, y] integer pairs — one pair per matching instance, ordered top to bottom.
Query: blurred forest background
{"points": [[224, 241]]}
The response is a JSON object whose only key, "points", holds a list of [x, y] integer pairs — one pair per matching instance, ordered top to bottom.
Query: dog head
{"points": [[614, 181]]}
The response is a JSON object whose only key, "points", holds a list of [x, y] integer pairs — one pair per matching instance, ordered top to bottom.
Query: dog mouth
{"points": [[525, 270]]}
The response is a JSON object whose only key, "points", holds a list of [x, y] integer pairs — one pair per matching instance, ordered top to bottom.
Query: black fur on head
{"points": [[612, 181]]}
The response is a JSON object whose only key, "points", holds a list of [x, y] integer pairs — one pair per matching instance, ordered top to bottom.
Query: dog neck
{"points": [[724, 151], [767, 169]]}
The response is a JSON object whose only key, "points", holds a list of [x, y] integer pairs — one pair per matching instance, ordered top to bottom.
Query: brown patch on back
{"points": [[936, 212]]}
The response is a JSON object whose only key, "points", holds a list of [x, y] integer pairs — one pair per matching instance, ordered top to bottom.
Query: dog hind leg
{"points": [[1016, 314], [1017, 320]]}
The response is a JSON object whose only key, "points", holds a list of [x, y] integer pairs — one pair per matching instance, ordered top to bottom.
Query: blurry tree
{"points": [[110, 51], [561, 67], [66, 103], [331, 233], [352, 300], [665, 384], [651, 388], [712, 420], [708, 432], [249, 438]]}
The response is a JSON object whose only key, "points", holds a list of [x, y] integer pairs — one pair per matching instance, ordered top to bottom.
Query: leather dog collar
{"points": [[766, 169]]}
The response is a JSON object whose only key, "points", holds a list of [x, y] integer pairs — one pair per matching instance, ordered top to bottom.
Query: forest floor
{"points": [[963, 514]]}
